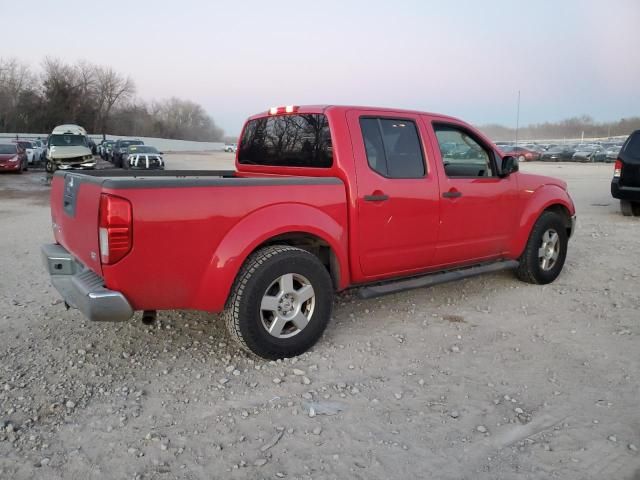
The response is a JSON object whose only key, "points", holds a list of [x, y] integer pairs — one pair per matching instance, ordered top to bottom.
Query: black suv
{"points": [[120, 148], [626, 176]]}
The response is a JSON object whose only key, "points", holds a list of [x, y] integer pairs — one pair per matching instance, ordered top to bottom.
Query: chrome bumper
{"points": [[573, 226], [82, 289]]}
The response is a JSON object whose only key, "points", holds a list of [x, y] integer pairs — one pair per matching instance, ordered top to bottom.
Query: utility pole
{"points": [[518, 118]]}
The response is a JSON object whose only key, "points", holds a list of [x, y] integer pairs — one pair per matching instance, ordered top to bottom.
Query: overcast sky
{"points": [[463, 58]]}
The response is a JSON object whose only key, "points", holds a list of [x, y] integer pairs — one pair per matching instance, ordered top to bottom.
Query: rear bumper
{"points": [[622, 192], [82, 289]]}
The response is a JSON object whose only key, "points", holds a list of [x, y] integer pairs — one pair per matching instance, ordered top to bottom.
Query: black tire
{"points": [[50, 167], [629, 208], [530, 269], [244, 317]]}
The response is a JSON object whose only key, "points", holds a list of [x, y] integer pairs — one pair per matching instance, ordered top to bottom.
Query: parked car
{"points": [[92, 145], [106, 147], [231, 147], [28, 148], [67, 148], [535, 148], [119, 149], [40, 151], [521, 153], [590, 153], [558, 154], [611, 154], [143, 157], [13, 158], [625, 184], [270, 243]]}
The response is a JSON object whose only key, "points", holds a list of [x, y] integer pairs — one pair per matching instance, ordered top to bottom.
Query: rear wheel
{"points": [[521, 159], [629, 208], [545, 253], [280, 303]]}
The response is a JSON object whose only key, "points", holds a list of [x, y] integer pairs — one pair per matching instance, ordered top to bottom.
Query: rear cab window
{"points": [[300, 140]]}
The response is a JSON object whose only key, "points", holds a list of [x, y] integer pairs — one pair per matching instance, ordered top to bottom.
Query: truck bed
{"points": [[188, 224]]}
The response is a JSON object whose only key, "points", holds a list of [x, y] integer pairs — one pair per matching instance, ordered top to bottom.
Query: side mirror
{"points": [[509, 165]]}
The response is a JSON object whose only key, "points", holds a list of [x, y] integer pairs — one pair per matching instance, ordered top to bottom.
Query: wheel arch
{"points": [[547, 198], [298, 225]]}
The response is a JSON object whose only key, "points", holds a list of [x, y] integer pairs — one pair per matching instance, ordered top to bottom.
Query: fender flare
{"points": [[542, 199], [254, 230]]}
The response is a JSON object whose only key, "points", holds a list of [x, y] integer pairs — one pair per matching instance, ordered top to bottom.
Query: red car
{"points": [[521, 153], [13, 158], [323, 198]]}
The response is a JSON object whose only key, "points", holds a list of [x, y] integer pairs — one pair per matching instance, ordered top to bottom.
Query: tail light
{"points": [[617, 169], [115, 228]]}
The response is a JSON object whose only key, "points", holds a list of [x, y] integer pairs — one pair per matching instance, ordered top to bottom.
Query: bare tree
{"points": [[15, 79], [111, 88]]}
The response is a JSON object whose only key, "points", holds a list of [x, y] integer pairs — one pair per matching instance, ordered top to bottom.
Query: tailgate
{"points": [[75, 201]]}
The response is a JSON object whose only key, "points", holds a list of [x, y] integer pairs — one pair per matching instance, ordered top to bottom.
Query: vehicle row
{"points": [[582, 152], [131, 154]]}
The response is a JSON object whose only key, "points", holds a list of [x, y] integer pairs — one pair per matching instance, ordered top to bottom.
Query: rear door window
{"points": [[287, 141], [393, 147]]}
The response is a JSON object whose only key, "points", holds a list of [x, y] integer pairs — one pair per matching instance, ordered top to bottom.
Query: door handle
{"points": [[452, 194], [376, 198]]}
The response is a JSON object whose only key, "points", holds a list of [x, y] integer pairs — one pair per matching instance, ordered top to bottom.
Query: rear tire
{"points": [[630, 209], [546, 250], [280, 303]]}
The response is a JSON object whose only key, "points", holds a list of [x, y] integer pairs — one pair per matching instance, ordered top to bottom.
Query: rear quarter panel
{"points": [[189, 243]]}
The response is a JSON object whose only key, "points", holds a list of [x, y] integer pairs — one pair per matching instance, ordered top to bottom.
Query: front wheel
{"points": [[50, 167], [545, 253], [281, 302]]}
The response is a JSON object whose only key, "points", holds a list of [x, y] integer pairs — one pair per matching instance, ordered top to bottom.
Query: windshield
{"points": [[67, 141], [126, 143], [25, 144], [7, 149], [143, 149]]}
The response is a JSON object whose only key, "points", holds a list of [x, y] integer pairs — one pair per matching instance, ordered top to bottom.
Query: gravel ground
{"points": [[487, 378]]}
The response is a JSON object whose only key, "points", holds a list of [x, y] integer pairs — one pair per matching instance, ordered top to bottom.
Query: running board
{"points": [[431, 279]]}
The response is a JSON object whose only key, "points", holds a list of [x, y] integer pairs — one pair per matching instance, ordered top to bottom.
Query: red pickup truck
{"points": [[323, 198]]}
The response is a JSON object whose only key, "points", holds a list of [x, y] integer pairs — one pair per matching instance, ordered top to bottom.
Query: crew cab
{"points": [[625, 184], [322, 199]]}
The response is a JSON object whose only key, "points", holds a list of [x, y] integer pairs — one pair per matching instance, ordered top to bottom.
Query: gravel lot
{"points": [[488, 378]]}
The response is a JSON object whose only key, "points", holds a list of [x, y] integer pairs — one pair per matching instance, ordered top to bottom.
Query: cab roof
{"points": [[335, 108], [69, 129]]}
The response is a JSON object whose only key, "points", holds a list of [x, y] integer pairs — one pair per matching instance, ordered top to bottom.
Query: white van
{"points": [[68, 147]]}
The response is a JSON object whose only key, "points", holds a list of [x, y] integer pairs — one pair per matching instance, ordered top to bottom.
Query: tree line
{"points": [[95, 97], [573, 127]]}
